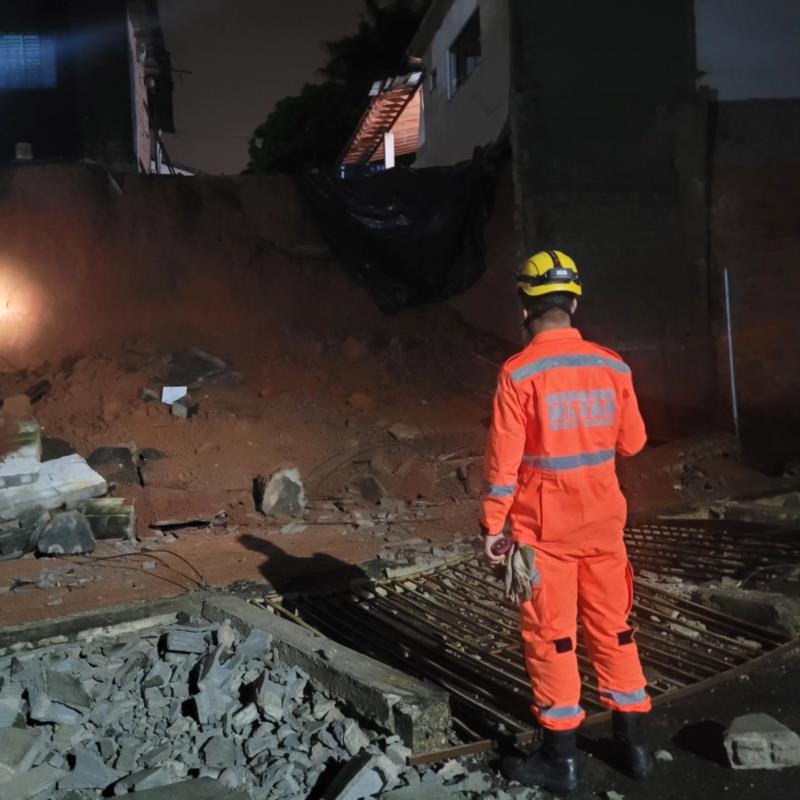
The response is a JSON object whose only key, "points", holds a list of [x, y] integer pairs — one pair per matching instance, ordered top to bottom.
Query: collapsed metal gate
{"points": [[452, 626]]}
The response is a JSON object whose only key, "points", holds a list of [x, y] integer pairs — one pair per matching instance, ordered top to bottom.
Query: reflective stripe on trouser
{"points": [[598, 584]]}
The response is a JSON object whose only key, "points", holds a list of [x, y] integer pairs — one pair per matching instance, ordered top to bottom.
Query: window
{"points": [[465, 54], [27, 61]]}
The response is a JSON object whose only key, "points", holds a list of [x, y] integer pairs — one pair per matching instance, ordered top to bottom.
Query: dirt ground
{"points": [[328, 407]]}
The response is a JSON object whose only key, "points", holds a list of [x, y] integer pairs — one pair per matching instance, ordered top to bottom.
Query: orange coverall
{"points": [[564, 407]]}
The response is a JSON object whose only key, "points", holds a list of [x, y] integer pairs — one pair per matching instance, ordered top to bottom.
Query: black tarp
{"points": [[408, 236]]}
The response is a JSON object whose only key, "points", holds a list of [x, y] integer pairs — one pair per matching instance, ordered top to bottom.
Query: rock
{"points": [[17, 407], [404, 433], [115, 464], [371, 489], [283, 493], [293, 528], [67, 533], [159, 675], [67, 690], [269, 699], [11, 704], [211, 705], [245, 718], [352, 737], [757, 741], [20, 749], [219, 752], [399, 754], [663, 755], [89, 772], [235, 777], [355, 781], [474, 782], [33, 783], [433, 791], [610, 794]]}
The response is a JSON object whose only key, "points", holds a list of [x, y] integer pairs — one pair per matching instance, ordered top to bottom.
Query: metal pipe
{"points": [[729, 325]]}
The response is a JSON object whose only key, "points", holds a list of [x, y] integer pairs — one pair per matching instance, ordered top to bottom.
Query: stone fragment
{"points": [[404, 432], [283, 493], [67, 533], [225, 636], [185, 640], [256, 644], [160, 674], [67, 690], [269, 699], [11, 703], [211, 705], [245, 717], [351, 737], [757, 741], [19, 749], [219, 752], [399, 754], [663, 755], [451, 770], [89, 772], [235, 777], [355, 781], [474, 782], [33, 783], [610, 794]]}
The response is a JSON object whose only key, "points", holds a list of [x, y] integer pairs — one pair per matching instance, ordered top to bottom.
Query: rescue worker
{"points": [[563, 409]]}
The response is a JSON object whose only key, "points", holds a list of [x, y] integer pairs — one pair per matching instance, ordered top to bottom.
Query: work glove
{"points": [[496, 546], [521, 573]]}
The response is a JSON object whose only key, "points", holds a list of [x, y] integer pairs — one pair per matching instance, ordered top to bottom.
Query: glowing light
{"points": [[21, 303]]}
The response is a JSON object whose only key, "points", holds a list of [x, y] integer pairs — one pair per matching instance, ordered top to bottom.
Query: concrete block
{"points": [[185, 408], [18, 471], [66, 481], [283, 493], [185, 640], [159, 675], [269, 699], [11, 703], [212, 704], [418, 712], [245, 718], [351, 737], [757, 741], [19, 750], [89, 772], [357, 780], [33, 783]]}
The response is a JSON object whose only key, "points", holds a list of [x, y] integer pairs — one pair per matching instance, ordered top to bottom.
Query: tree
{"points": [[309, 130]]}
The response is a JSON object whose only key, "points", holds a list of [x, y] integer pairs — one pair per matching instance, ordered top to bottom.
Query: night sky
{"points": [[244, 55]]}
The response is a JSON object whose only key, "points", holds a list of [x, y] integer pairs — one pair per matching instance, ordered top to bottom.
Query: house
{"points": [[84, 80], [389, 129]]}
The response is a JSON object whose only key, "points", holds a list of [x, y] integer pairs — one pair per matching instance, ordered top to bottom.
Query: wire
{"points": [[764, 569]]}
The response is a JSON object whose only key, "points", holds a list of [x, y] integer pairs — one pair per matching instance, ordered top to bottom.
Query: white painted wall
{"points": [[749, 48], [477, 112]]}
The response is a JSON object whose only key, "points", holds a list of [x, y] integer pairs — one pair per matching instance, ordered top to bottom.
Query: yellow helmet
{"points": [[549, 271]]}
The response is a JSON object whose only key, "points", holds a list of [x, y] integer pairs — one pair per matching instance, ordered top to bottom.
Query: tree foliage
{"points": [[309, 130]]}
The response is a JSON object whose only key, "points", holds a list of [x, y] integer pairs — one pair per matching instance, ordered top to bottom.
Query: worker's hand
{"points": [[495, 547]]}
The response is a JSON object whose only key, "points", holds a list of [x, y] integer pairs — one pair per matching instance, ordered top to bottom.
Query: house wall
{"points": [[139, 109], [477, 112], [88, 113], [610, 144]]}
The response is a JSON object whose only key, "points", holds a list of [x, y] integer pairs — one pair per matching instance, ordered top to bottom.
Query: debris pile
{"points": [[51, 506], [189, 703]]}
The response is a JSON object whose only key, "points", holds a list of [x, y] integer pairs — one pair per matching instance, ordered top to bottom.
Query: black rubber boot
{"points": [[630, 739], [553, 766]]}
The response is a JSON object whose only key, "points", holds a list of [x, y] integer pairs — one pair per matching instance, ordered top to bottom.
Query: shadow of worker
{"points": [[288, 574]]}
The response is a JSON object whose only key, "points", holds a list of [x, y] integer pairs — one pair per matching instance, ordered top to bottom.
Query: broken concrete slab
{"points": [[18, 471], [66, 482], [283, 493], [66, 534], [185, 640], [67, 690], [418, 712], [757, 741], [20, 749], [89, 772], [33, 783], [197, 789]]}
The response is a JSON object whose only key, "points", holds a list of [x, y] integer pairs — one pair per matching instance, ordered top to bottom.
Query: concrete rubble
{"points": [[283, 493], [56, 507], [195, 710], [757, 741]]}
